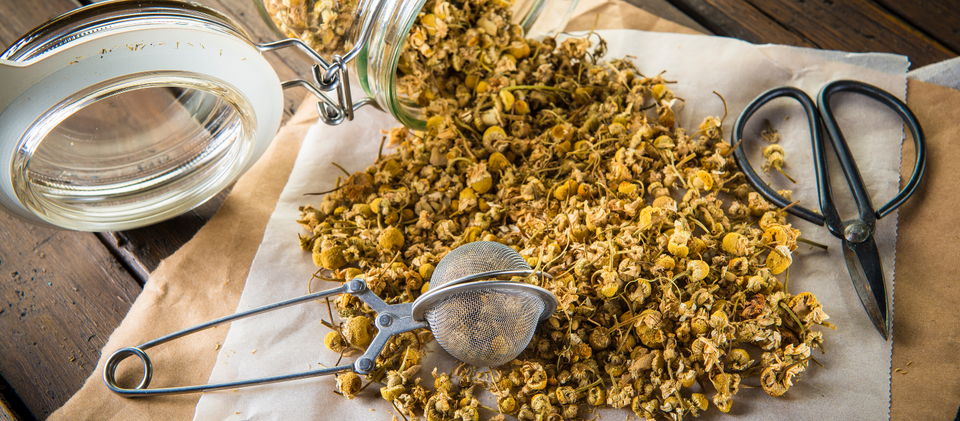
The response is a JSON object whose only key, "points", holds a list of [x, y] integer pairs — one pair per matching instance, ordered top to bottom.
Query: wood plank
{"points": [[665, 10], [18, 17], [937, 18], [738, 19], [852, 25], [856, 25], [62, 294]]}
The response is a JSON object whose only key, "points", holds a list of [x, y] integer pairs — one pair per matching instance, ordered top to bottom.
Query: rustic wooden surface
{"points": [[847, 25], [62, 293]]}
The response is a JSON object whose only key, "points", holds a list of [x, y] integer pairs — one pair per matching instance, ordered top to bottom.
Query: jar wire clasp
{"points": [[330, 75]]}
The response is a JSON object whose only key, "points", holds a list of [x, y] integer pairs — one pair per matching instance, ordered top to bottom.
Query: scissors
{"points": [[859, 247]]}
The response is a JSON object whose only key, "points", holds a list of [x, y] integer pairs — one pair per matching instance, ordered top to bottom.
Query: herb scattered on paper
{"points": [[665, 262]]}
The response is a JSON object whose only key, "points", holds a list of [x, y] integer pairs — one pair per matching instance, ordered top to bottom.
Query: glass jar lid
{"points": [[127, 113]]}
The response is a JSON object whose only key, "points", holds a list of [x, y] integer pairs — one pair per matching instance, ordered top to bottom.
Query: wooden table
{"points": [[62, 293]]}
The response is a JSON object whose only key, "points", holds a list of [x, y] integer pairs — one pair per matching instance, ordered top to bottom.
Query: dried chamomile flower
{"points": [[769, 133], [664, 142], [774, 155], [479, 179], [702, 180], [629, 189], [757, 204], [648, 215], [770, 219], [780, 235], [391, 238], [678, 241], [736, 244], [330, 257], [779, 259], [664, 261], [698, 269], [351, 273], [806, 306], [358, 331], [335, 342], [411, 358], [738, 359], [774, 380], [349, 384], [394, 387], [699, 401], [507, 404]]}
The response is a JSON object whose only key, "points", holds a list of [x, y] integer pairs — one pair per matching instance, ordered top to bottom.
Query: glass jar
{"points": [[337, 28], [125, 113]]}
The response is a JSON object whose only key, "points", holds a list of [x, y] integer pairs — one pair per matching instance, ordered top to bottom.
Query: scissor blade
{"points": [[863, 263]]}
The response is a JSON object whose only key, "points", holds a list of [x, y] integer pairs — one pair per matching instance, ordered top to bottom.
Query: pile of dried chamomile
{"points": [[669, 269]]}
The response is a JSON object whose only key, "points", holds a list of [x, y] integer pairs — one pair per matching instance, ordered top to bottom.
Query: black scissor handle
{"points": [[815, 126], [843, 151]]}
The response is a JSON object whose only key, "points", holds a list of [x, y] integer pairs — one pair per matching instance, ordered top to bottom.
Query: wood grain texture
{"points": [[665, 10], [18, 17], [937, 18], [738, 19], [850, 25], [61, 294], [33, 361]]}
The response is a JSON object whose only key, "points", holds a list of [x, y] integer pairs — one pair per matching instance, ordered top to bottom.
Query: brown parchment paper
{"points": [[204, 280], [925, 384]]}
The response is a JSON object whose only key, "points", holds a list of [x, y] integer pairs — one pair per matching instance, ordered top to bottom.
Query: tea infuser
{"points": [[475, 315]]}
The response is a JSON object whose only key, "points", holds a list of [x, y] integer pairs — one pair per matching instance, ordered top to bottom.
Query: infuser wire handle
{"points": [[330, 75], [390, 320]]}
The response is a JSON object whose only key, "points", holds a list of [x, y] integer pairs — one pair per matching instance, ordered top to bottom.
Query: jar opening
{"points": [[535, 18]]}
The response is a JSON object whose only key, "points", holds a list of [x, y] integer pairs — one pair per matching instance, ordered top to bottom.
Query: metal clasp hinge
{"points": [[327, 77]]}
